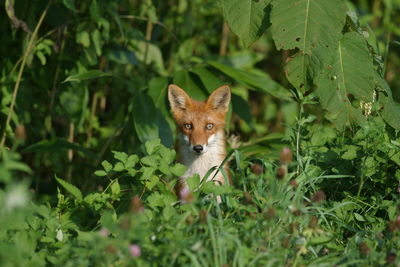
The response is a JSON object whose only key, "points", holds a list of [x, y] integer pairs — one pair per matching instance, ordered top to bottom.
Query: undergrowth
{"points": [[334, 205]]}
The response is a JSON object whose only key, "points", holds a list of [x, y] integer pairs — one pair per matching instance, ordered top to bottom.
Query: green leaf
{"points": [[70, 4], [94, 11], [247, 18], [307, 24], [83, 38], [96, 38], [149, 53], [121, 55], [41, 57], [301, 69], [90, 74], [349, 74], [185, 80], [209, 80], [259, 81], [158, 92], [74, 102], [242, 108], [390, 109], [390, 112], [149, 122], [58, 145], [152, 145], [351, 152], [167, 155], [121, 156], [151, 160], [131, 161], [106, 165], [119, 166], [371, 166], [164, 168], [178, 169], [131, 171], [147, 172], [100, 173], [152, 182], [193, 182], [211, 187], [115, 188], [73, 190], [156, 200], [168, 213], [359, 217], [320, 240]]}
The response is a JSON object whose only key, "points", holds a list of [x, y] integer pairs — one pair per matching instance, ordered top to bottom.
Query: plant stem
{"points": [[149, 32], [224, 39], [21, 70], [57, 72], [92, 115], [70, 153], [298, 156], [362, 178]]}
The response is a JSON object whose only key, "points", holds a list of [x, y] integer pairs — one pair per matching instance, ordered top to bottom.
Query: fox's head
{"points": [[201, 123]]}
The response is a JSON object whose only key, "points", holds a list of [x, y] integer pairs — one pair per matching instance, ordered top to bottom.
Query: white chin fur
{"points": [[212, 155]]}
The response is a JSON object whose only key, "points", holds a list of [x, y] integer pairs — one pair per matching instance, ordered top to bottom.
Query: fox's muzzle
{"points": [[198, 148]]}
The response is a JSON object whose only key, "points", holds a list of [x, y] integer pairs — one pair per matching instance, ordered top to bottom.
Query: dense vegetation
{"points": [[87, 166]]}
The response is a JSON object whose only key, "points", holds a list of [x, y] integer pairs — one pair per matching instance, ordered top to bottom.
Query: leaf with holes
{"points": [[247, 18], [307, 24], [301, 69], [350, 74]]}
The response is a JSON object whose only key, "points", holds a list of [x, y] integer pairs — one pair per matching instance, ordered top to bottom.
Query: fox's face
{"points": [[201, 123]]}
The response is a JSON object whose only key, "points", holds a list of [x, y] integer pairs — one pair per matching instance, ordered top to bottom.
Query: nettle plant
{"points": [[327, 52], [152, 177]]}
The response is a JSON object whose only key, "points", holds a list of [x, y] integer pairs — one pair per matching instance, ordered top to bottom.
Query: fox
{"points": [[201, 141]]}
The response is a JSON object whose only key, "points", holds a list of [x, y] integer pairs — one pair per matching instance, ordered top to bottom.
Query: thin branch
{"points": [[224, 39], [21, 70]]}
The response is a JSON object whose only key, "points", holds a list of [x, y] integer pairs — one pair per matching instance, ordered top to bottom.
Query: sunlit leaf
{"points": [[246, 18], [307, 24], [90, 74], [349, 74], [73, 190]]}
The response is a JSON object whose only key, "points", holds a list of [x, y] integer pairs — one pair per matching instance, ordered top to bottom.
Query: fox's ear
{"points": [[220, 98], [178, 99]]}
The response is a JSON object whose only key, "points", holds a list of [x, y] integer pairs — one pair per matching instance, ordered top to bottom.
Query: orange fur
{"points": [[193, 119]]}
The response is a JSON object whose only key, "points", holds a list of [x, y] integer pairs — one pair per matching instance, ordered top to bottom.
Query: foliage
{"points": [[87, 169]]}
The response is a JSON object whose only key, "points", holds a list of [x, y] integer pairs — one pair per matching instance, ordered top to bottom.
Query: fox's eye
{"points": [[188, 126], [209, 126]]}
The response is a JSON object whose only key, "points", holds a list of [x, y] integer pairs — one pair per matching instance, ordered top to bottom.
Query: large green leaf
{"points": [[247, 18], [307, 24], [301, 69], [349, 74], [209, 80], [259, 81], [188, 82], [158, 92], [242, 108], [390, 109], [149, 122]]}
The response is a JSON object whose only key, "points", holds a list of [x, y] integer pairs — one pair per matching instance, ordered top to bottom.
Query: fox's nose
{"points": [[198, 148]]}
